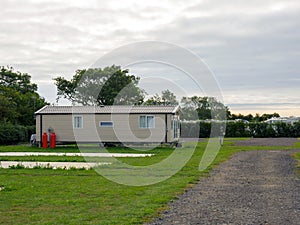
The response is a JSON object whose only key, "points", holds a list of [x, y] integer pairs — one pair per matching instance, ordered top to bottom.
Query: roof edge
{"points": [[177, 108], [172, 109], [38, 112]]}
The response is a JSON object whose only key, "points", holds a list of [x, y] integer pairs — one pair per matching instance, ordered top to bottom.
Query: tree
{"points": [[97, 86], [18, 97], [167, 98], [195, 108], [266, 116], [248, 117], [251, 118]]}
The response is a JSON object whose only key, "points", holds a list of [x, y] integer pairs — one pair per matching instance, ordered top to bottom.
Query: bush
{"points": [[189, 129], [195, 129], [237, 129], [240, 129], [296, 130], [13, 134]]}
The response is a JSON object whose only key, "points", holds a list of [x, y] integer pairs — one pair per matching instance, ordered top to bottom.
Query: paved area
{"points": [[268, 142], [106, 155], [54, 165], [255, 187]]}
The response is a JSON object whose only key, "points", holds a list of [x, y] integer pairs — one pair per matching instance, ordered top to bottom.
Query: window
{"points": [[147, 121], [77, 122], [106, 124], [176, 128]]}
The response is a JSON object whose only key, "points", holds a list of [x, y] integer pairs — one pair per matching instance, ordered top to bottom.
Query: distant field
{"points": [[45, 196]]}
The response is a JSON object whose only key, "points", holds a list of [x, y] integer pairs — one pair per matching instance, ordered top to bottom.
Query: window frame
{"points": [[146, 122], [74, 123], [112, 124]]}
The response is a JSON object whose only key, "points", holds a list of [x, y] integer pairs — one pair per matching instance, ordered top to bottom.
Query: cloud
{"points": [[251, 46], [256, 47]]}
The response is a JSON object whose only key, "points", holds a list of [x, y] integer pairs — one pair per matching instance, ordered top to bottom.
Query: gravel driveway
{"points": [[268, 142], [255, 187]]}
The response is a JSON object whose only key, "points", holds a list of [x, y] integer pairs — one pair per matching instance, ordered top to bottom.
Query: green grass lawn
{"points": [[297, 144], [27, 148], [297, 157], [45, 196]]}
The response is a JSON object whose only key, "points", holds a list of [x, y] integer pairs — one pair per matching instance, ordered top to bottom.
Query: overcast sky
{"points": [[252, 47]]}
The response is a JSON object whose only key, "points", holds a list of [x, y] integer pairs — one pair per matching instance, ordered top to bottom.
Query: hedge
{"points": [[240, 129], [13, 134]]}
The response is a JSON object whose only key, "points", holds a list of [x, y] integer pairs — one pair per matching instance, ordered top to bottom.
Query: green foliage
{"points": [[16, 80], [97, 86], [18, 97], [166, 98], [202, 108], [248, 117], [251, 118], [195, 129], [237, 129], [240, 129], [296, 129], [13, 134], [18, 166]]}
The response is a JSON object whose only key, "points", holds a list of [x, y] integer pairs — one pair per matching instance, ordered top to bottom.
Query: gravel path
{"points": [[267, 142], [255, 187]]}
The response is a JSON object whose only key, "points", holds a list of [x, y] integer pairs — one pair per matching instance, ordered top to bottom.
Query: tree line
{"points": [[113, 85], [19, 100], [201, 129]]}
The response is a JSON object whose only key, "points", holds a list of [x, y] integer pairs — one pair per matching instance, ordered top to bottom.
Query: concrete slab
{"points": [[91, 154], [53, 165]]}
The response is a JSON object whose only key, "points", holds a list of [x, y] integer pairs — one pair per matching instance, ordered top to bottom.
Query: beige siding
{"points": [[60, 124], [37, 127], [126, 128]]}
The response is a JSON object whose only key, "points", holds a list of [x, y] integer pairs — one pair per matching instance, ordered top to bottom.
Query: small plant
{"points": [[18, 166]]}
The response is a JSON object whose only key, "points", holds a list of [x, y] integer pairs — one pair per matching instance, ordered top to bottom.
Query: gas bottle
{"points": [[45, 140], [53, 140]]}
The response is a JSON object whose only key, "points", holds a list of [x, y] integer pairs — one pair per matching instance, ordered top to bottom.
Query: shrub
{"points": [[240, 129], [13, 134]]}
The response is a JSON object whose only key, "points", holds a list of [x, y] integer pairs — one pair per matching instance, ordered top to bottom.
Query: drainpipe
{"points": [[166, 122], [41, 130]]}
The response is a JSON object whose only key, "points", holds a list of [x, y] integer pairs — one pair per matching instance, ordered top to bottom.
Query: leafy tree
{"points": [[97, 86], [18, 97], [167, 98], [155, 100], [202, 108], [266, 116], [248, 117], [251, 118]]}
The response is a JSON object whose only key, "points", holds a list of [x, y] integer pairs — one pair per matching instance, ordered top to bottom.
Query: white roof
{"points": [[115, 109]]}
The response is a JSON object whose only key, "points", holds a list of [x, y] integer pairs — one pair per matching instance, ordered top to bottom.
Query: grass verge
{"points": [[297, 157], [41, 196]]}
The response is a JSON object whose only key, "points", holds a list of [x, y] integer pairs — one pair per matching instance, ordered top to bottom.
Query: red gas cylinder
{"points": [[45, 140], [53, 140]]}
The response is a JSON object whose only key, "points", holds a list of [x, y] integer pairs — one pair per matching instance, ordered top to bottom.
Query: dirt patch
{"points": [[267, 142], [255, 187]]}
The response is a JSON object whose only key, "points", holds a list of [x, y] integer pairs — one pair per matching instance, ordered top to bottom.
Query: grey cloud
{"points": [[250, 45], [251, 51]]}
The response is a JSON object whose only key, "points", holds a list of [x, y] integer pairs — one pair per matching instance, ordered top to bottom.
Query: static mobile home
{"points": [[109, 124]]}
